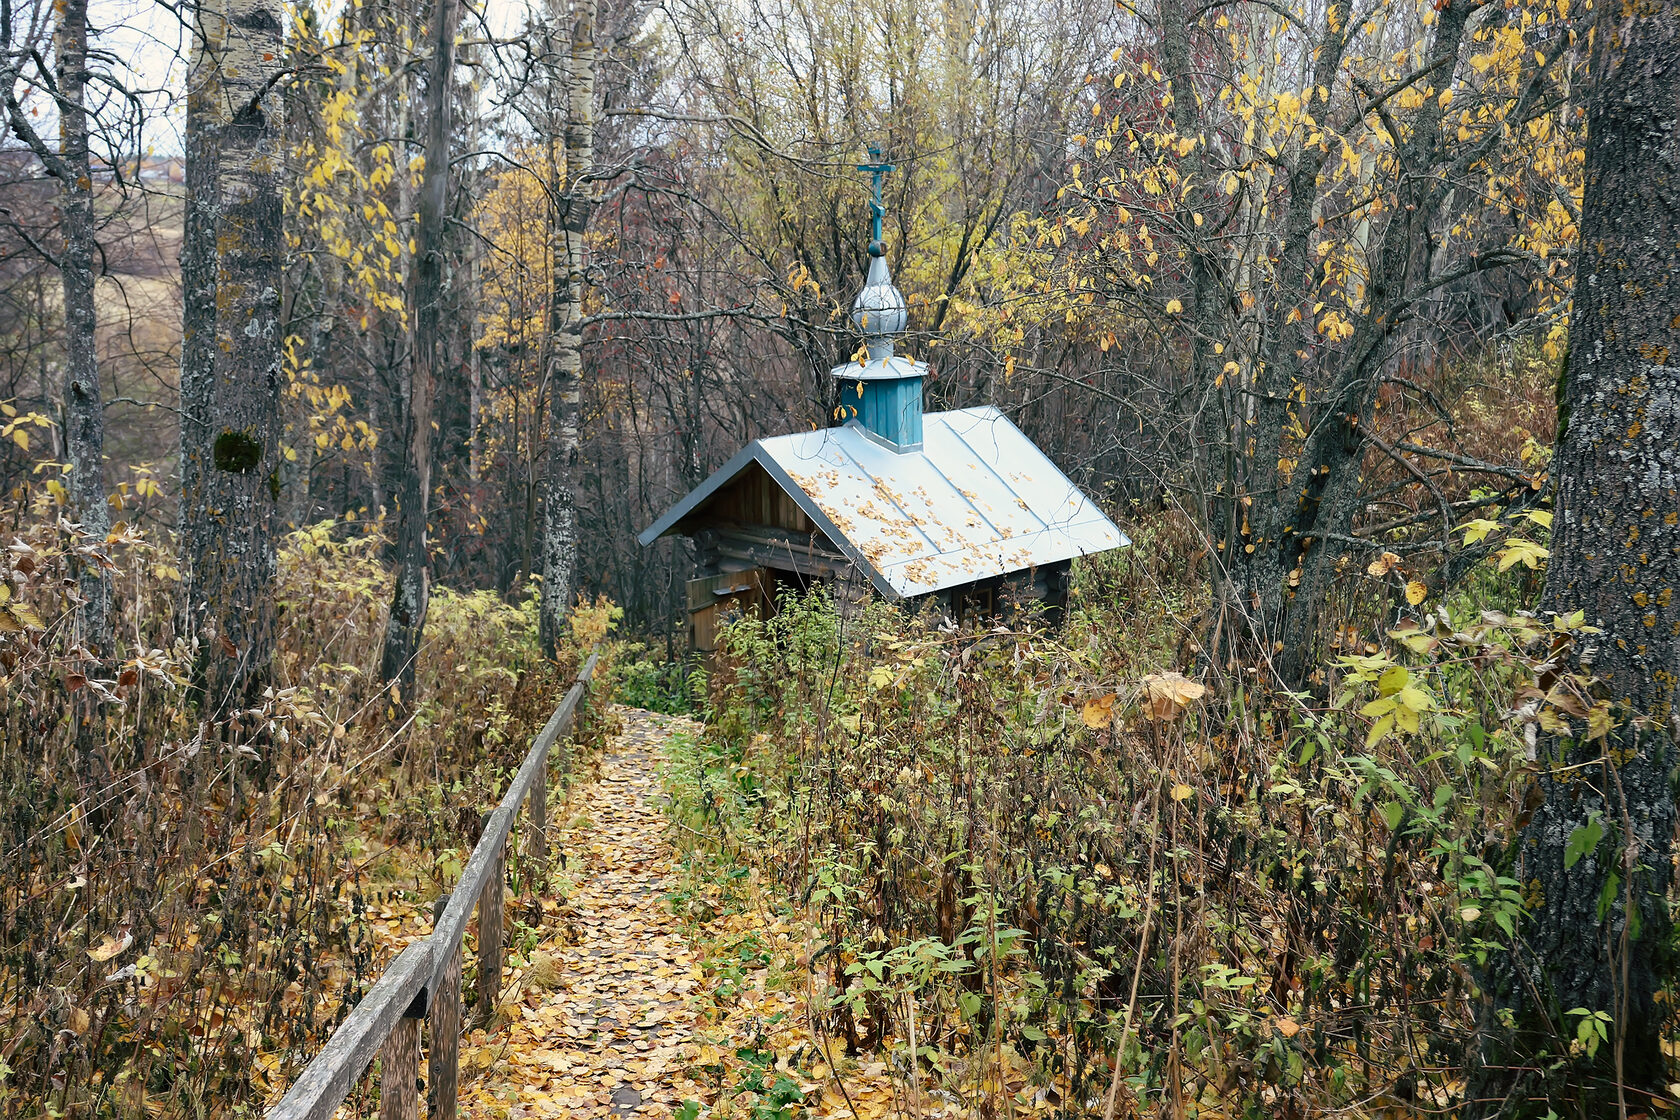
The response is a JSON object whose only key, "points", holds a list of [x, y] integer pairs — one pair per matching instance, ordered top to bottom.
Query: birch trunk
{"points": [[231, 266], [84, 410], [83, 419], [560, 517], [407, 622]]}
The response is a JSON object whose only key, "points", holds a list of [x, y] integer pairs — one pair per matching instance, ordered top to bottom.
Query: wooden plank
{"points": [[807, 541], [786, 559], [709, 591], [710, 596], [702, 629], [558, 724], [464, 898], [452, 926], [490, 940], [443, 1071], [327, 1080], [399, 1081]]}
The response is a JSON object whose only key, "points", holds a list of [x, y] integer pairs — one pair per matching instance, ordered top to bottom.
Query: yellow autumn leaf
{"points": [[1174, 307], [1520, 551], [1382, 565], [1416, 592], [1167, 695], [1097, 713], [1181, 792], [110, 947]]}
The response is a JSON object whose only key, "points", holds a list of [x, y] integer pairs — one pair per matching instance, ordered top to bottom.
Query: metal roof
{"points": [[977, 500]]}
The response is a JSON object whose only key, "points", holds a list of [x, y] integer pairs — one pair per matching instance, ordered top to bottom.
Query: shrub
{"points": [[1056, 846], [185, 914]]}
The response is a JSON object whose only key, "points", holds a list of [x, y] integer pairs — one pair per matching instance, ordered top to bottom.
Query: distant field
{"points": [[139, 305]]}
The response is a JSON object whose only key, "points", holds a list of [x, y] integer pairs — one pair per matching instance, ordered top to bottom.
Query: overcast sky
{"points": [[146, 42]]}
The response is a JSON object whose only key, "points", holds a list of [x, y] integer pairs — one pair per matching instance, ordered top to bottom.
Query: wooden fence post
{"points": [[536, 809], [490, 939], [443, 1071], [399, 1090]]}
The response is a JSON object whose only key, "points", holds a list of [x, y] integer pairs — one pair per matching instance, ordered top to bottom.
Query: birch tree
{"points": [[1287, 197], [573, 207], [231, 257], [84, 413]]}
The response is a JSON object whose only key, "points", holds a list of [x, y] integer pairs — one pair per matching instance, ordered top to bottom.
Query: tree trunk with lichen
{"points": [[231, 266], [84, 408], [560, 516], [406, 624], [1597, 936]]}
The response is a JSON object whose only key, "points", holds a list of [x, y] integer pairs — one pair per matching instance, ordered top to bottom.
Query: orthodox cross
{"points": [[877, 170]]}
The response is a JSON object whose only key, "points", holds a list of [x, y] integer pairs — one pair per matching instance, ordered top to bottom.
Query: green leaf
{"points": [[1583, 841], [1607, 896]]}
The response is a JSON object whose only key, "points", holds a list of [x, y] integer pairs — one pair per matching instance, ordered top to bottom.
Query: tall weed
{"points": [[1161, 890], [184, 915]]}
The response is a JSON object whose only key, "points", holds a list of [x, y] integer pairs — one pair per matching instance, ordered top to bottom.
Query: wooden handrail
{"points": [[424, 982]]}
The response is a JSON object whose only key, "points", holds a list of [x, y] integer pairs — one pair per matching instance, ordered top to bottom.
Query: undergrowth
{"points": [[644, 680], [1159, 890], [179, 932]]}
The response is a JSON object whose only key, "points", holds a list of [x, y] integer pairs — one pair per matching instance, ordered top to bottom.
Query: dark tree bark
{"points": [[231, 267], [560, 517], [407, 621], [1597, 937]]}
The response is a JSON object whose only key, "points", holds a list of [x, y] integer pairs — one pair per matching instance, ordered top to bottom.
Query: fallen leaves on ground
{"points": [[623, 1010], [599, 1023]]}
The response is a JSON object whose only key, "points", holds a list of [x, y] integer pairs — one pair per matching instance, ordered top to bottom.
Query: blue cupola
{"points": [[881, 392]]}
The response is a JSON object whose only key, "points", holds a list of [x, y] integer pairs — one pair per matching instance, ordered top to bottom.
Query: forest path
{"points": [[607, 1033]]}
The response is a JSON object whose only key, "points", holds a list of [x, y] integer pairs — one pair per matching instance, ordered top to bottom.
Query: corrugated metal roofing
{"points": [[977, 500]]}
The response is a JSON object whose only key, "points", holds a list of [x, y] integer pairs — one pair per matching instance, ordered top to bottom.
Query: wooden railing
{"points": [[424, 982]]}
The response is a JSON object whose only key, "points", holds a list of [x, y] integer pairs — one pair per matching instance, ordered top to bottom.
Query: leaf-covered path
{"points": [[598, 1025]]}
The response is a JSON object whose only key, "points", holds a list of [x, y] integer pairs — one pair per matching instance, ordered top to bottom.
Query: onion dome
{"points": [[879, 312]]}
